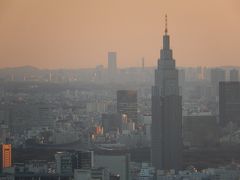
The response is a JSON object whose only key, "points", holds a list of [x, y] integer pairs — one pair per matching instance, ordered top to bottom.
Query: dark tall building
{"points": [[233, 75], [229, 102], [127, 104], [166, 112], [111, 122]]}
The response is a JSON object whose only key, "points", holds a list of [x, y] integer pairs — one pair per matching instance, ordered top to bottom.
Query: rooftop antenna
{"points": [[166, 24]]}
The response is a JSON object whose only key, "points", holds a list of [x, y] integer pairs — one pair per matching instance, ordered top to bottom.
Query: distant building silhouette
{"points": [[112, 61], [217, 75], [233, 75], [229, 102], [127, 104], [166, 113]]}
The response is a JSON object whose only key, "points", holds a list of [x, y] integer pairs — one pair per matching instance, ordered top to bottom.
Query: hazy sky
{"points": [[79, 33]]}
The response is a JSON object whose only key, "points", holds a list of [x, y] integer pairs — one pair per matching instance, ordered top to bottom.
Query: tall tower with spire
{"points": [[166, 112]]}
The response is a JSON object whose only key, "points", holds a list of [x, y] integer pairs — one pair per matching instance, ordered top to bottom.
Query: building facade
{"points": [[127, 104], [6, 156], [83, 160]]}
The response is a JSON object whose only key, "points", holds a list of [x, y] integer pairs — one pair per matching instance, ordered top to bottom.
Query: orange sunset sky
{"points": [[79, 33]]}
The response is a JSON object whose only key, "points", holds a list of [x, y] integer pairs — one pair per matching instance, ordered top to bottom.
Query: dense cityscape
{"points": [[110, 123]]}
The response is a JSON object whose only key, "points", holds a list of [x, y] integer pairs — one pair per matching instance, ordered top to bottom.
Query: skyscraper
{"points": [[112, 61], [112, 66], [127, 104], [166, 112], [6, 156]]}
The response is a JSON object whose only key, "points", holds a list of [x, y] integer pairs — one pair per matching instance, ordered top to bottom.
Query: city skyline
{"points": [[81, 33], [91, 90]]}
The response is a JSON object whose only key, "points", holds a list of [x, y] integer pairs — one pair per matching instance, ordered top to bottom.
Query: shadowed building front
{"points": [[166, 112]]}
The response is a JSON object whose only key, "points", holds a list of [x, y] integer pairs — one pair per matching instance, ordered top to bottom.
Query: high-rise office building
{"points": [[233, 75], [229, 102], [127, 104], [166, 112], [6, 156], [83, 160], [64, 163]]}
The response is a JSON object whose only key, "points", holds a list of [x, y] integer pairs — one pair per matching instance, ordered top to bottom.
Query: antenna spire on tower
{"points": [[166, 24]]}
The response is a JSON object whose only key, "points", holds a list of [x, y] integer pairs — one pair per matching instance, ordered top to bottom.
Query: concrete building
{"points": [[229, 102], [127, 104], [166, 112], [5, 156], [83, 159], [64, 163], [116, 163], [37, 166], [147, 172]]}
